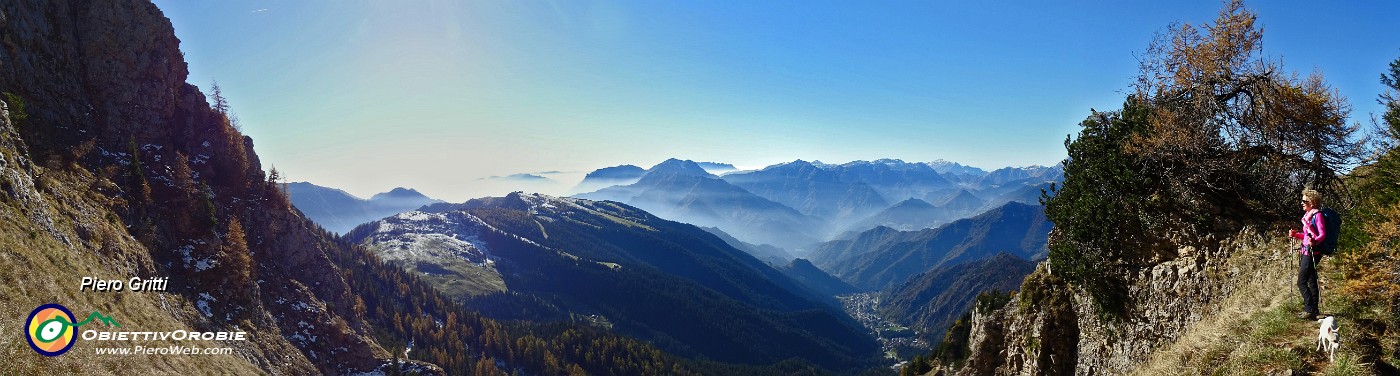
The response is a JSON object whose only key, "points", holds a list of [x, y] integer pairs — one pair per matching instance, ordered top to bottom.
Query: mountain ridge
{"points": [[811, 190], [686, 193], [339, 211], [909, 215], [878, 258], [603, 259], [818, 280], [931, 301]]}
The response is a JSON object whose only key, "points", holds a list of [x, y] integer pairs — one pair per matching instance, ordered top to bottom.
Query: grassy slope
{"points": [[36, 267], [1255, 332]]}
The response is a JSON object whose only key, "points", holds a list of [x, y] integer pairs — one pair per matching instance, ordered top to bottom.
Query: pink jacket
{"points": [[1313, 230]]}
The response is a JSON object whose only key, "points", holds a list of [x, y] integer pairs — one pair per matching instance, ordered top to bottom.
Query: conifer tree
{"points": [[216, 95]]}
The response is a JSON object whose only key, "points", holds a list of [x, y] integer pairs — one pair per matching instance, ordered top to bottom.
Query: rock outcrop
{"points": [[1052, 328]]}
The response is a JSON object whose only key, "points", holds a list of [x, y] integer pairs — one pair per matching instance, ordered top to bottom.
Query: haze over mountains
{"points": [[114, 167], [628, 174], [682, 190], [808, 202], [794, 205], [339, 211], [920, 239], [542, 257], [880, 257]]}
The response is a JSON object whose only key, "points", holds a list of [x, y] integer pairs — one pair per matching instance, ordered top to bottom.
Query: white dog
{"points": [[1327, 339]]}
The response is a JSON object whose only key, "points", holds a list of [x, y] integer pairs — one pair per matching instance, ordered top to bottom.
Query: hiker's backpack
{"points": [[1332, 226]]}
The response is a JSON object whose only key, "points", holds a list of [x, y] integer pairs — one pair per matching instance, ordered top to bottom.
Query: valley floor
{"points": [[896, 341]]}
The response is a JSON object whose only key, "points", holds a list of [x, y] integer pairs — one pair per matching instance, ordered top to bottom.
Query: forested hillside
{"points": [[670, 283]]}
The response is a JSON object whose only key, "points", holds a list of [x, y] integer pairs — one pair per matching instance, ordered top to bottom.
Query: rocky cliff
{"points": [[117, 168], [1051, 328]]}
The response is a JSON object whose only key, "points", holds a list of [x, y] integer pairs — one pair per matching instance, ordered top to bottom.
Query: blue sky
{"points": [[443, 95]]}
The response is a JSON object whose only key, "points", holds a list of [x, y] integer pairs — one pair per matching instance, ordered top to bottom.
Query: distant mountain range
{"points": [[717, 168], [948, 168], [628, 174], [1021, 174], [520, 177], [896, 180], [683, 191], [816, 191], [962, 202], [796, 204], [338, 211], [914, 214], [908, 215], [931, 246], [882, 257], [674, 284]]}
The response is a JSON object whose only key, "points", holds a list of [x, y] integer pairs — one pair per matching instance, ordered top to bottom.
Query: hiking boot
{"points": [[1307, 316]]}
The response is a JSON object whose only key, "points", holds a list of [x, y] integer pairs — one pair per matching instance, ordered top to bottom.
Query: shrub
{"points": [[16, 106], [1102, 210]]}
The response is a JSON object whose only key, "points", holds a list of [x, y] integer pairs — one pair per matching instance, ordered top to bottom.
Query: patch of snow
{"points": [[417, 216], [185, 251], [187, 255], [204, 264], [203, 304]]}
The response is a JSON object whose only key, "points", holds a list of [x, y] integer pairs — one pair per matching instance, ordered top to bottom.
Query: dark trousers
{"points": [[1307, 281]]}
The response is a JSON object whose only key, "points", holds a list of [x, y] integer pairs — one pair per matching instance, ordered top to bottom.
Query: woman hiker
{"points": [[1314, 231]]}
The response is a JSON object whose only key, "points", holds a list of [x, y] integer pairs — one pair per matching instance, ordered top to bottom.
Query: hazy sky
{"points": [[443, 95]]}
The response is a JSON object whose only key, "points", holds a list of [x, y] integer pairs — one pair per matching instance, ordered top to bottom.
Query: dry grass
{"points": [[37, 268], [1254, 331]]}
